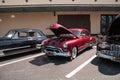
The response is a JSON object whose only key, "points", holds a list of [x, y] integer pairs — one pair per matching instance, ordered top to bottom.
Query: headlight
{"points": [[65, 45], [103, 46]]}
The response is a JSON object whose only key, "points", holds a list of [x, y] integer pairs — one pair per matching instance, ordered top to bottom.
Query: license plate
{"points": [[111, 52]]}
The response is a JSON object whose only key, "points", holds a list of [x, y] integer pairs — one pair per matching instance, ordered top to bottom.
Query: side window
{"points": [[84, 33], [87, 33], [22, 34], [34, 34], [16, 35], [39, 35]]}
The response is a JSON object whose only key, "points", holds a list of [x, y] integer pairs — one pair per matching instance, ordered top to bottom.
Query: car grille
{"points": [[115, 47], [53, 49], [114, 50]]}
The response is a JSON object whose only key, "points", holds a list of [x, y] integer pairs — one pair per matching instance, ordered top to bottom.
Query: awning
{"points": [[59, 7]]}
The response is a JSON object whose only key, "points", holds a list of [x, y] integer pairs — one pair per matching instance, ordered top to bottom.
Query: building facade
{"points": [[95, 15]]}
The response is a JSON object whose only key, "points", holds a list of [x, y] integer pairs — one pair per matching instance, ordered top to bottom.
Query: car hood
{"points": [[114, 28], [58, 29], [55, 42], [58, 42]]}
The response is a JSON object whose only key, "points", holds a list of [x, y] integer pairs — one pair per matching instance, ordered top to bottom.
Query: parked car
{"points": [[20, 40], [68, 42], [110, 48]]}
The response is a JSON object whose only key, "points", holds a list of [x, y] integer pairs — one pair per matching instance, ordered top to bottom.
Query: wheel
{"points": [[74, 53]]}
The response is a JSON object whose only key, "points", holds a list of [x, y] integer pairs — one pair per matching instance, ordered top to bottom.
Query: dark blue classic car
{"points": [[20, 40], [110, 48]]}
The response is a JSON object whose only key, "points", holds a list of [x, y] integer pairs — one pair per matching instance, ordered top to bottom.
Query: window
{"points": [[106, 21], [76, 32], [84, 33], [10, 34], [22, 34], [32, 34], [35, 34], [41, 34]]}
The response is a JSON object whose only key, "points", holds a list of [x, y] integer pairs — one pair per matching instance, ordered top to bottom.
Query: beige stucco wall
{"points": [[23, 2], [95, 18], [34, 20], [41, 20]]}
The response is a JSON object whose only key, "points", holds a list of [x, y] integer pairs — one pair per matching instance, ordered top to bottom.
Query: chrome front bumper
{"points": [[55, 51], [110, 57]]}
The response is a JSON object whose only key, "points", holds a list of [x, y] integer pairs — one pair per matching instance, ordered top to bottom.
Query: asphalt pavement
{"points": [[36, 65]]}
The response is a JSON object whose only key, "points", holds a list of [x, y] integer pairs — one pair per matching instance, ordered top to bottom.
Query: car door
{"points": [[85, 36], [32, 38], [35, 38], [20, 40], [80, 42], [6, 43], [16, 44]]}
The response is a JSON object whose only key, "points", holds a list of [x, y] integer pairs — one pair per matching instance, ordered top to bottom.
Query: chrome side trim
{"points": [[15, 48]]}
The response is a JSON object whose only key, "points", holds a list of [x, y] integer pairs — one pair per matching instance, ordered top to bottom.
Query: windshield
{"points": [[76, 32], [10, 34], [66, 35]]}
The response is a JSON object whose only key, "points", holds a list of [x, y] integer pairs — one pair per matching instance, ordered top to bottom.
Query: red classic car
{"points": [[68, 42]]}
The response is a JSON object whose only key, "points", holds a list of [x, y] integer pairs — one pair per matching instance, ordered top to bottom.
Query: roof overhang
{"points": [[59, 7]]}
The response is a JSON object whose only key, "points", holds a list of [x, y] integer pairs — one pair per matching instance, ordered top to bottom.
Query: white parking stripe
{"points": [[22, 59], [80, 67]]}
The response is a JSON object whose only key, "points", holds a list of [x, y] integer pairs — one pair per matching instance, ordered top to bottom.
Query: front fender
{"points": [[71, 45]]}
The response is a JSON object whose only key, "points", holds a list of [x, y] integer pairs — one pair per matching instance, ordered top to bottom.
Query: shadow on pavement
{"points": [[42, 60], [57, 60], [107, 67]]}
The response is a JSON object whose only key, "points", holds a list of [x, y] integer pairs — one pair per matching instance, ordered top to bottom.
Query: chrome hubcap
{"points": [[74, 52]]}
